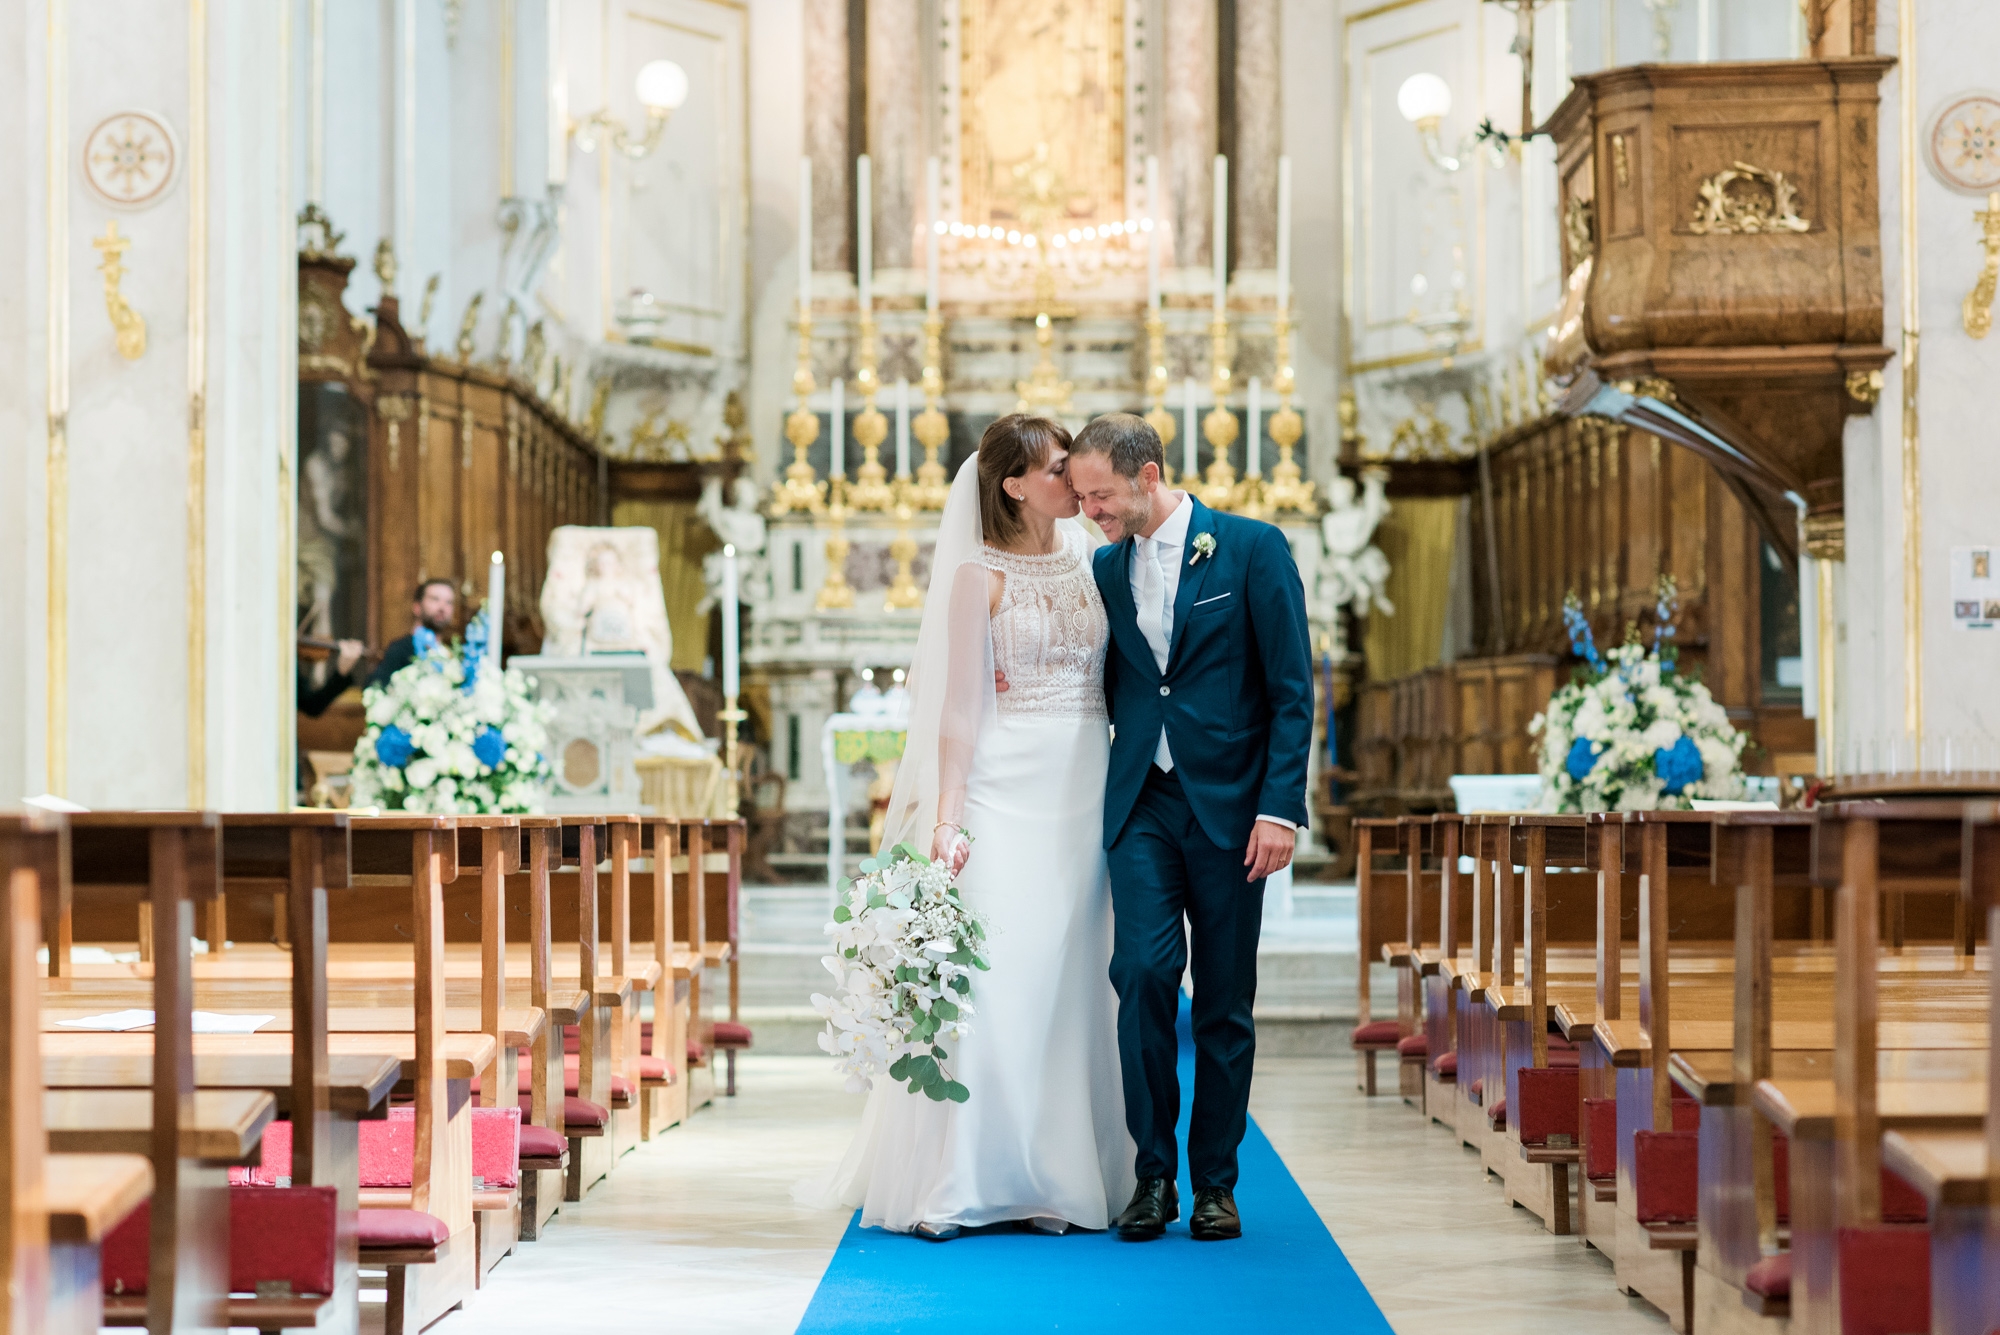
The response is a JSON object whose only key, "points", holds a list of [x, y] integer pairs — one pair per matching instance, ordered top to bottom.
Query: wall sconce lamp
{"points": [[662, 87], [1425, 100]]}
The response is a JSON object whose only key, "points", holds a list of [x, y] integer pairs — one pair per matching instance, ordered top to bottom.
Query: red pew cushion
{"points": [[730, 1034], [1375, 1034], [1416, 1045], [1446, 1065], [655, 1068], [1549, 1105], [576, 1112], [1497, 1113], [539, 1142], [496, 1147], [1600, 1159], [1666, 1175], [402, 1228], [276, 1235], [1771, 1277], [1885, 1280]]}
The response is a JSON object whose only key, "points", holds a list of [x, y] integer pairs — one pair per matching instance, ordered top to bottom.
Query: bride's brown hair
{"points": [[1010, 447]]}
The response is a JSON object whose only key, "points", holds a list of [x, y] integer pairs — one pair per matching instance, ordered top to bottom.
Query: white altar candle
{"points": [[864, 233], [1284, 233], [1153, 234], [805, 235], [931, 239], [1220, 242], [902, 426], [837, 446], [1190, 462], [1253, 462], [496, 605], [730, 633]]}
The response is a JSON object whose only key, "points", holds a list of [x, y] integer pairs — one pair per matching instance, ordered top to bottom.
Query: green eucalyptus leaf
{"points": [[840, 913], [852, 951], [961, 957], [979, 963], [962, 985], [944, 1010], [940, 1053], [956, 1092], [936, 1093]]}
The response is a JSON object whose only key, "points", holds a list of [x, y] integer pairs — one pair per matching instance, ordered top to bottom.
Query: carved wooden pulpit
{"points": [[1721, 233]]}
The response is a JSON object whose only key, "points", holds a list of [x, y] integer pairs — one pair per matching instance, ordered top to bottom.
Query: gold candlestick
{"points": [[1157, 416], [932, 428], [871, 480], [1218, 486], [1286, 489], [799, 490], [835, 592], [903, 595], [730, 716]]}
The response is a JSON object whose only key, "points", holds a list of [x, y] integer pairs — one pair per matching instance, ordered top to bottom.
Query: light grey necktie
{"points": [[1153, 625]]}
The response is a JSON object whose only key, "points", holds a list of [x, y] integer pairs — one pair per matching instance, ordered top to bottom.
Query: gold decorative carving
{"points": [[1042, 95], [1621, 161], [1745, 199], [1580, 226], [317, 238], [385, 263], [1978, 307], [127, 323], [465, 328], [1864, 386], [1650, 387], [395, 410], [931, 427], [1217, 487], [799, 490], [1287, 490], [1826, 536], [903, 594]]}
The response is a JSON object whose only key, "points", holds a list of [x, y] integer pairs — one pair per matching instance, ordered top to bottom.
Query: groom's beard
{"points": [[1130, 516]]}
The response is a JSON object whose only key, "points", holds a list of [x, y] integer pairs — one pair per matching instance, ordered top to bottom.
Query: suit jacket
{"points": [[398, 654], [1236, 698]]}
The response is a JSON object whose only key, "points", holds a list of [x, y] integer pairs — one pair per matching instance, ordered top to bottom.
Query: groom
{"points": [[1209, 682]]}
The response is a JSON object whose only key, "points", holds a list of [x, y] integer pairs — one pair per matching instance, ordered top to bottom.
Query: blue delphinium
{"points": [[1666, 610], [423, 639], [1581, 641], [475, 653], [393, 747], [490, 747], [1582, 759], [1678, 765]]}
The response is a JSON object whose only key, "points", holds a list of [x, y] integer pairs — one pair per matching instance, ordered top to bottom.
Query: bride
{"points": [[1009, 789]]}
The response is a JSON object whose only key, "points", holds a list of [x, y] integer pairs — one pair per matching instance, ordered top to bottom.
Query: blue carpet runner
{"points": [[1285, 1273]]}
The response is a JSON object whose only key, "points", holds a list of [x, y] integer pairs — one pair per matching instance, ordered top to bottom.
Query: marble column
{"points": [[896, 125], [1190, 125], [826, 131], [1253, 168]]}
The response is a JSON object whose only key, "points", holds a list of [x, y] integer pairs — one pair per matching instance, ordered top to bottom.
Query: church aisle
{"points": [[695, 1231], [1436, 1245]]}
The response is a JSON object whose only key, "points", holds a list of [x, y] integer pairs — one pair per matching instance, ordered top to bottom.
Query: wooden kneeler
{"points": [[1379, 919]]}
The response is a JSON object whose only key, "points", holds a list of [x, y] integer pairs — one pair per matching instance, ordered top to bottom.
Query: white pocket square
{"points": [[1206, 601]]}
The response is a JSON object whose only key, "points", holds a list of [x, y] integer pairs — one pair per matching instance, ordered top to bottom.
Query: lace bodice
{"points": [[1049, 630]]}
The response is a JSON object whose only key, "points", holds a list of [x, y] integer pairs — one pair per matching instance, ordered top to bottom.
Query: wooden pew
{"points": [[1379, 916], [722, 941], [1438, 969], [1958, 1171], [59, 1207], [1847, 1251]]}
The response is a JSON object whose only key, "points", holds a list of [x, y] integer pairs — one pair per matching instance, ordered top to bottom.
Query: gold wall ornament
{"points": [[1621, 161], [1748, 200], [317, 238], [385, 263], [430, 301], [1978, 307], [507, 317], [126, 323], [465, 326], [1864, 386], [799, 491], [1826, 536]]}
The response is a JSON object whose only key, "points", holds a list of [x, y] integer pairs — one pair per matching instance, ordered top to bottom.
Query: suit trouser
{"points": [[1163, 867]]}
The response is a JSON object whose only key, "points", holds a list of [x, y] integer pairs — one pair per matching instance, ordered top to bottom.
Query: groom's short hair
{"points": [[1128, 441]]}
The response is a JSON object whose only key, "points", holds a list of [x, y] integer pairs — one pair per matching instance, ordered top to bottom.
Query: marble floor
{"points": [[697, 1231]]}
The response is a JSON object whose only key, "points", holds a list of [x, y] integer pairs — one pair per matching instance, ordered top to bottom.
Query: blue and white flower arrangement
{"points": [[1630, 732], [450, 736]]}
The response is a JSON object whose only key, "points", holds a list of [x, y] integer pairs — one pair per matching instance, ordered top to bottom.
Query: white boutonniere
{"points": [[1204, 545]]}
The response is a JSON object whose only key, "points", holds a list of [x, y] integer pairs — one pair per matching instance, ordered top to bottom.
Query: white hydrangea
{"points": [[443, 724]]}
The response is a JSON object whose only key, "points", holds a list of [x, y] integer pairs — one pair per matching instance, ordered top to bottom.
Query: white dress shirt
{"points": [[1156, 573]]}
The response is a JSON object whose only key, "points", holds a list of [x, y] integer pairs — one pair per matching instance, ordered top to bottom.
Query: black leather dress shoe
{"points": [[1154, 1205], [1214, 1218]]}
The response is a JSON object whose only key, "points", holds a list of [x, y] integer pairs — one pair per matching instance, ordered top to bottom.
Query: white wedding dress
{"points": [[1043, 1134]]}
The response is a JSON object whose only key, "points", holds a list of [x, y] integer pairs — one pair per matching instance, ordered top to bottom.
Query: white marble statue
{"points": [[741, 525], [1354, 573], [603, 595]]}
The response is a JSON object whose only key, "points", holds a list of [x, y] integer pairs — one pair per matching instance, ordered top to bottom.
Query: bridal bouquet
{"points": [[1630, 733], [447, 738], [907, 947]]}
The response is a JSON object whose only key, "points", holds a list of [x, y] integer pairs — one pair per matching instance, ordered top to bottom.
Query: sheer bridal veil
{"points": [[951, 676]]}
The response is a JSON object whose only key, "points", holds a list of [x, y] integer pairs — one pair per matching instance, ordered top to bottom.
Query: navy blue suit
{"points": [[1236, 701]]}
